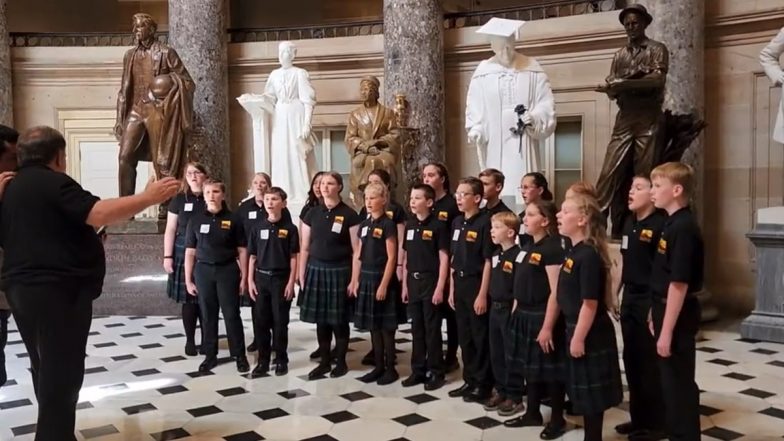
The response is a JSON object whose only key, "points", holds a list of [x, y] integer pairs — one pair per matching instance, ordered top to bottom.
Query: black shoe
{"points": [[252, 346], [190, 348], [201, 350], [315, 355], [369, 359], [209, 364], [242, 364], [451, 365], [282, 368], [260, 370], [340, 370], [319, 371], [372, 376], [389, 377], [413, 380], [435, 382], [460, 391], [477, 395], [525, 420], [624, 428], [553, 431], [647, 435]]}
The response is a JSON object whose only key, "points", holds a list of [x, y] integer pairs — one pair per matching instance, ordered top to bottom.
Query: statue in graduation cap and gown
{"points": [[498, 87]]}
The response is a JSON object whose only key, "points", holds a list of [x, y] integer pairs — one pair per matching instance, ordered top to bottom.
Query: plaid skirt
{"points": [[176, 288], [324, 299], [374, 315], [525, 354], [593, 381]]}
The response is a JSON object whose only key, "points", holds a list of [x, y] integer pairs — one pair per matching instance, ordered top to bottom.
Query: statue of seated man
{"points": [[370, 138]]}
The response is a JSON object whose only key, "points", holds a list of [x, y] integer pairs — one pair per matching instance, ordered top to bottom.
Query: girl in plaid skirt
{"points": [[181, 208], [374, 283], [537, 349], [593, 376]]}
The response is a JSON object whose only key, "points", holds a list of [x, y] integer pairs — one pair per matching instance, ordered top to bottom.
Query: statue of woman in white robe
{"points": [[769, 58], [497, 87], [290, 97]]}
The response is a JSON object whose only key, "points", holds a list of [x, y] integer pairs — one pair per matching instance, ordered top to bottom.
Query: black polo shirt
{"points": [[185, 205], [500, 207], [445, 210], [304, 211], [394, 211], [250, 213], [373, 233], [44, 234], [216, 237], [330, 240], [423, 242], [273, 244], [471, 244], [638, 248], [680, 254], [502, 274], [582, 277], [532, 287]]}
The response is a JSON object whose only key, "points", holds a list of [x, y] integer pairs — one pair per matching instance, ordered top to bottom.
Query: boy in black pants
{"points": [[641, 233], [273, 247], [471, 253], [425, 270], [676, 277]]}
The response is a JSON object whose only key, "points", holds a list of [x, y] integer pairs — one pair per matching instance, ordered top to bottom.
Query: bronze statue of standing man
{"points": [[636, 82], [154, 107]]}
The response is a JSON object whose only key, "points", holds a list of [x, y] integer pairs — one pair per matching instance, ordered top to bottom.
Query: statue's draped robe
{"points": [[769, 58]]}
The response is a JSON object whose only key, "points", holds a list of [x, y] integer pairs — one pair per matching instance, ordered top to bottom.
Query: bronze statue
{"points": [[636, 82], [154, 108], [370, 138]]}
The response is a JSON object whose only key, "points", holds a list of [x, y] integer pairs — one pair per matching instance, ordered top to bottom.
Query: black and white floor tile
{"points": [[140, 386]]}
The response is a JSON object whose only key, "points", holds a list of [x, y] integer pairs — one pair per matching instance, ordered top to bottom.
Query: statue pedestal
{"points": [[258, 106], [135, 282], [766, 321]]}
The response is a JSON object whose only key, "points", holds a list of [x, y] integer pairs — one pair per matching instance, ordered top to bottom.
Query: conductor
{"points": [[54, 268]]}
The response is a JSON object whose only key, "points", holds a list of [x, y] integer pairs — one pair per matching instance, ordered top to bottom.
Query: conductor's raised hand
{"points": [[5, 178], [162, 190]]}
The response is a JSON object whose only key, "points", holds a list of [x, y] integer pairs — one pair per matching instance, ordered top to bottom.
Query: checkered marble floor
{"points": [[140, 386]]}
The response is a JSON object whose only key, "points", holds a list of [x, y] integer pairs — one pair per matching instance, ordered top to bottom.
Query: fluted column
{"points": [[197, 30], [414, 67], [6, 95]]}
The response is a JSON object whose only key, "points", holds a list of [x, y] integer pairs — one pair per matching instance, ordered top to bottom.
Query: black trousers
{"points": [[218, 287], [272, 312], [4, 314], [448, 315], [54, 322], [472, 333], [500, 342], [426, 353], [680, 391], [646, 405]]}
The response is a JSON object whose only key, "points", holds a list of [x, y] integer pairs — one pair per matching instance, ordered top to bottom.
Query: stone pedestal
{"points": [[197, 31], [414, 67], [6, 102], [766, 321]]}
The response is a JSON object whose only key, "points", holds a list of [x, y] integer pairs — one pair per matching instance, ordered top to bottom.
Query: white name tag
{"points": [[483, 204], [188, 206], [252, 214], [337, 227], [204, 229], [522, 229], [364, 231], [264, 234], [410, 235], [456, 235], [625, 242], [520, 257], [495, 261]]}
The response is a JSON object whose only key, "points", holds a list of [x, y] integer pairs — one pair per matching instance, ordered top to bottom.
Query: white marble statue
{"points": [[769, 58], [498, 85], [283, 141]]}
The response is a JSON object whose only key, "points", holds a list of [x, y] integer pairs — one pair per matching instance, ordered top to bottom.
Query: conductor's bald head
{"points": [[42, 145]]}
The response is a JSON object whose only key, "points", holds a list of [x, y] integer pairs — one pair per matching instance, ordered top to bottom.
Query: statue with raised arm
{"points": [[769, 58], [154, 108], [371, 139]]}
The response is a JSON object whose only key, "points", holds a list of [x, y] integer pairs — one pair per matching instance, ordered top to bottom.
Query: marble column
{"points": [[681, 26], [197, 30], [414, 67], [6, 96]]}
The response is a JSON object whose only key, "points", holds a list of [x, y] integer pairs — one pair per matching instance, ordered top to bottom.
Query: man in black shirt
{"points": [[8, 138], [54, 269]]}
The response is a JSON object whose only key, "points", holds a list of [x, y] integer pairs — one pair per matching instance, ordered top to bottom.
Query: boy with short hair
{"points": [[493, 183], [503, 232], [273, 246], [472, 249], [426, 268], [676, 276]]}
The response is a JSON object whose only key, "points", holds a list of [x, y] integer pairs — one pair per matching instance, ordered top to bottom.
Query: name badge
{"points": [[188, 206], [252, 214], [337, 226], [204, 229], [522, 229], [363, 233], [264, 234], [410, 235], [456, 235], [625, 242], [520, 257], [495, 261], [508, 266]]}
